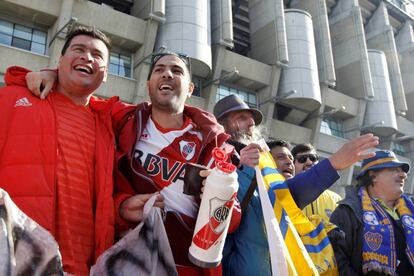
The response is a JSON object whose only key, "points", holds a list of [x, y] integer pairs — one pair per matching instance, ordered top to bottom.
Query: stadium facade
{"points": [[321, 71]]}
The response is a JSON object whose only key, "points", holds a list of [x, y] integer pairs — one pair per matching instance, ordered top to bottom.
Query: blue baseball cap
{"points": [[382, 159]]}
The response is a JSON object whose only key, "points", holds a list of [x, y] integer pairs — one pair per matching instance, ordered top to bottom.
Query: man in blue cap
{"points": [[377, 219]]}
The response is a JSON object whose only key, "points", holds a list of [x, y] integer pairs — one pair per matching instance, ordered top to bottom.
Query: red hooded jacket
{"points": [[28, 154]]}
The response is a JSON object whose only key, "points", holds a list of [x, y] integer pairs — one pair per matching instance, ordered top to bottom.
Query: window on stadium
{"points": [[22, 37], [120, 65], [248, 97], [332, 127]]}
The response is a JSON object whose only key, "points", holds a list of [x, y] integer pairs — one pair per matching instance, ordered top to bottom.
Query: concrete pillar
{"points": [[318, 10], [154, 13], [222, 23], [187, 30], [268, 32], [380, 36], [57, 45], [405, 45], [349, 48], [141, 70], [302, 73], [210, 92], [268, 92], [381, 108], [315, 120], [352, 126]]}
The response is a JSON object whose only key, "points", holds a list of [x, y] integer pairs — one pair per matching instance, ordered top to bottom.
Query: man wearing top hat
{"points": [[377, 219], [246, 251]]}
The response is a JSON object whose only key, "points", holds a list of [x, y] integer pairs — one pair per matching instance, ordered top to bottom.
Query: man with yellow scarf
{"points": [[378, 221]]}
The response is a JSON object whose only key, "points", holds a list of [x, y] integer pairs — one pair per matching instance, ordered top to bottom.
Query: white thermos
{"points": [[214, 214]]}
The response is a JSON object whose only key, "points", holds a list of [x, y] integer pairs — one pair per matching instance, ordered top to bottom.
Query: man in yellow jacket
{"points": [[304, 157]]}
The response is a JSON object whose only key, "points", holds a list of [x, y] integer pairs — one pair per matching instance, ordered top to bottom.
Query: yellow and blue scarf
{"points": [[307, 243], [378, 247]]}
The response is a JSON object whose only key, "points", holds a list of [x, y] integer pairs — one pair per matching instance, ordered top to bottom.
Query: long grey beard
{"points": [[242, 137]]}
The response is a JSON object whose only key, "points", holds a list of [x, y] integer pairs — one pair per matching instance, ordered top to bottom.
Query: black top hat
{"points": [[235, 103]]}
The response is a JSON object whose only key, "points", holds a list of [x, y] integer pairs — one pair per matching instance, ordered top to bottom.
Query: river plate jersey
{"points": [[163, 154]]}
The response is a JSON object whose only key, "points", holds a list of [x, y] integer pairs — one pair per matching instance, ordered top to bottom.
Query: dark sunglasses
{"points": [[156, 57], [302, 158]]}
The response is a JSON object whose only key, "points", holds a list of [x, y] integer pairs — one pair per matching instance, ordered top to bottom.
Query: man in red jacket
{"points": [[154, 142], [56, 156]]}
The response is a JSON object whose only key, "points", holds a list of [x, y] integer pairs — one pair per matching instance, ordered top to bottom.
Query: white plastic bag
{"points": [[26, 248], [143, 251]]}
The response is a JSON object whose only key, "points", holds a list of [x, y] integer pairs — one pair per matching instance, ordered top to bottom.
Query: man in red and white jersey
{"points": [[155, 141]]}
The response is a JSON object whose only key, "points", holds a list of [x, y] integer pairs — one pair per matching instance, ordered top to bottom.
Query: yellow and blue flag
{"points": [[309, 251]]}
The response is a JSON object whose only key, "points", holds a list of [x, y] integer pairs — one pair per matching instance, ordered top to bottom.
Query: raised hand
{"points": [[354, 151]]}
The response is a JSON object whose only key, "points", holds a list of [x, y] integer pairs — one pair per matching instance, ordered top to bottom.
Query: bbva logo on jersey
{"points": [[187, 149]]}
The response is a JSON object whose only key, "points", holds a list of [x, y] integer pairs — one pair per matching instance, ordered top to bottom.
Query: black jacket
{"points": [[348, 249]]}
